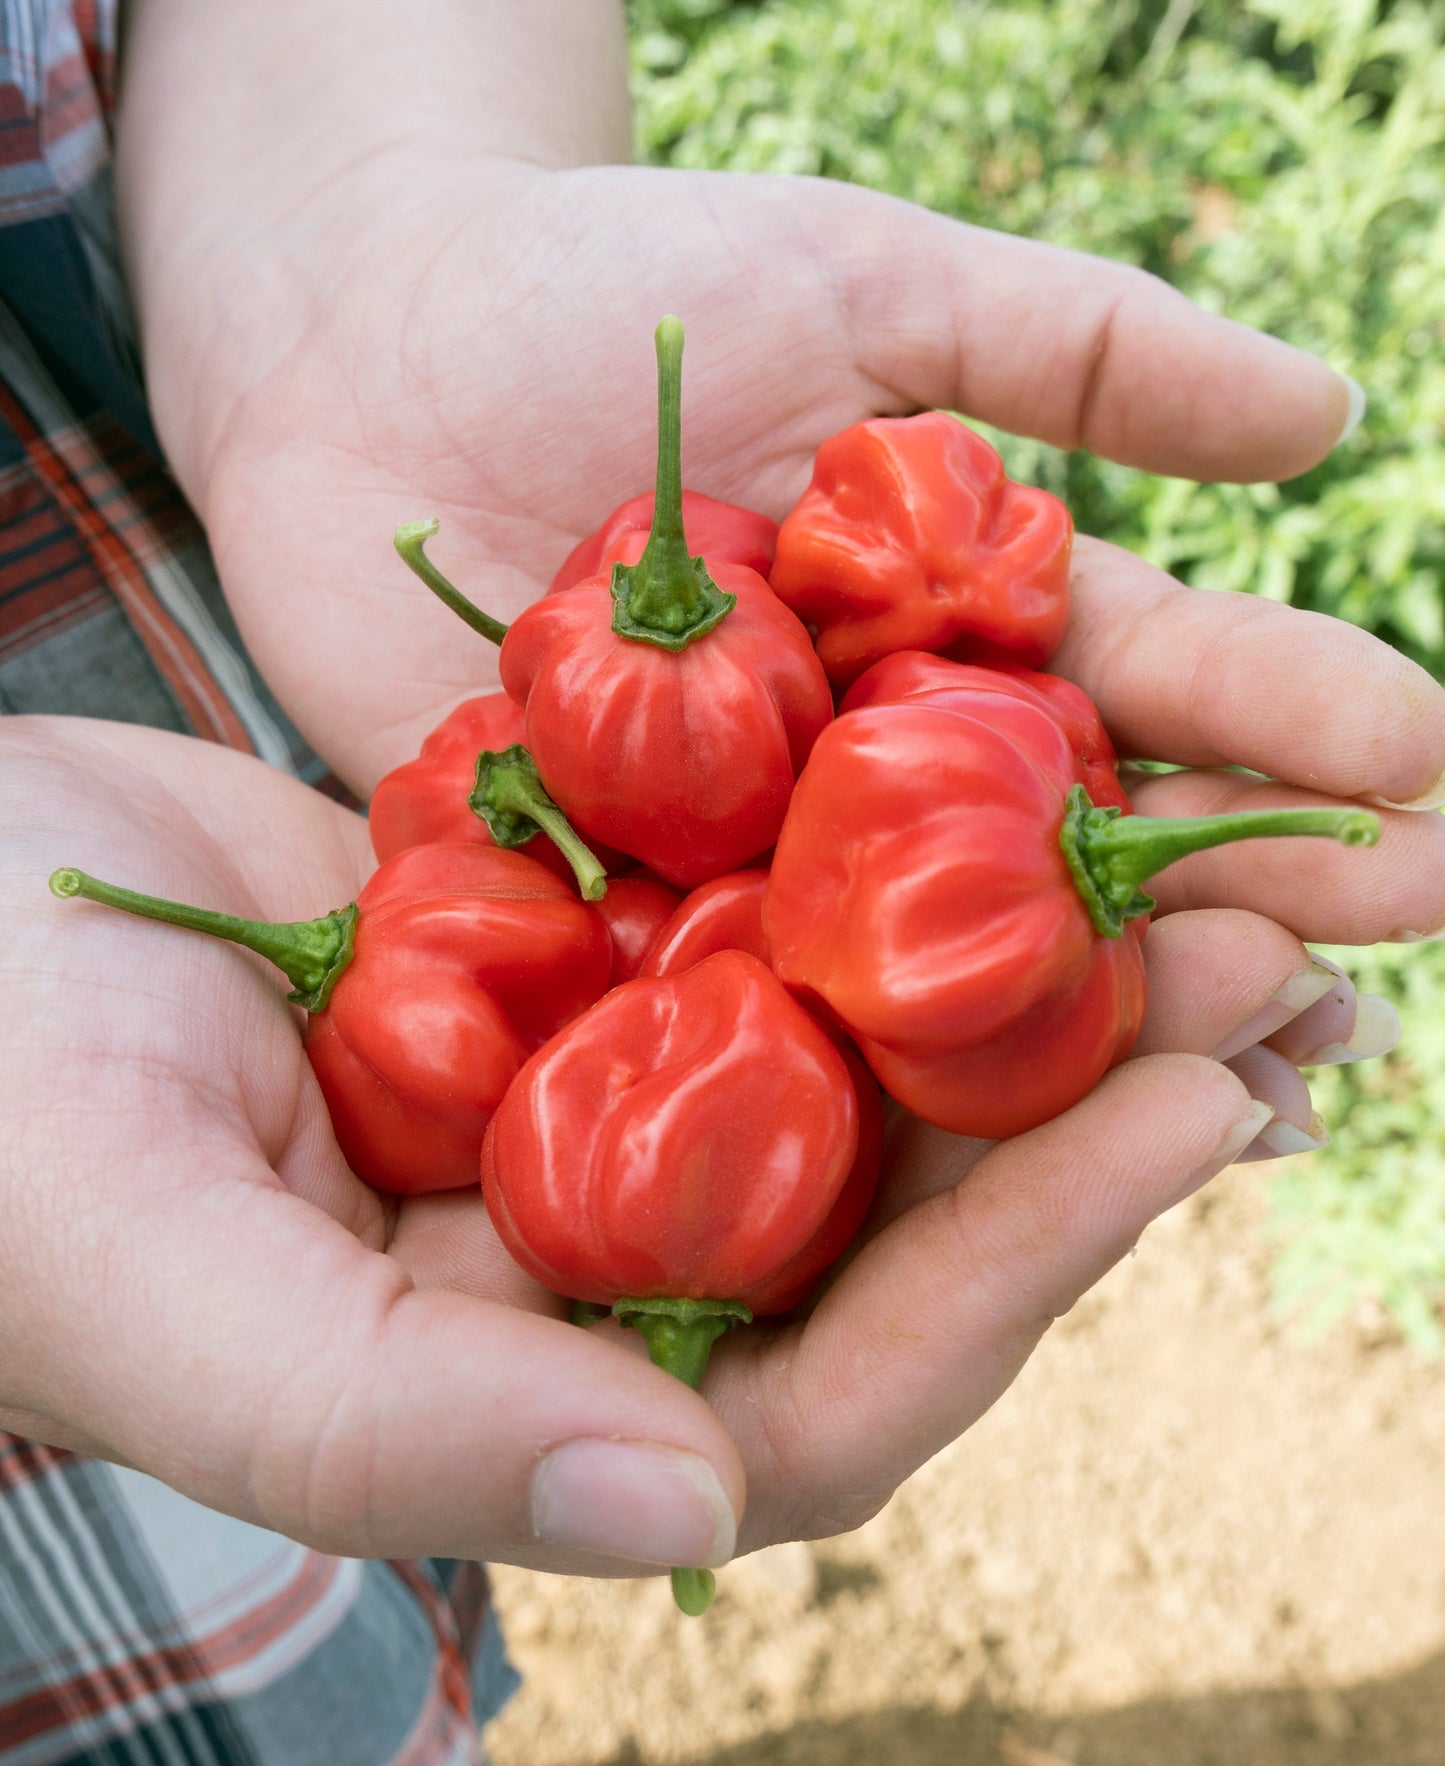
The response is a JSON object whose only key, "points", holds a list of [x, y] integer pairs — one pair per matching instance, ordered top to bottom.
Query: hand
{"points": [[456, 318], [197, 1286]]}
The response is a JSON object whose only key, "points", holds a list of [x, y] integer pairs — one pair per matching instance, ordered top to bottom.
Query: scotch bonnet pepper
{"points": [[912, 537], [671, 705], [474, 781], [946, 889], [426, 994], [689, 1152]]}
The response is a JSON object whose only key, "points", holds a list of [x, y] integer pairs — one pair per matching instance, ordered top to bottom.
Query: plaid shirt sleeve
{"points": [[136, 1625]]}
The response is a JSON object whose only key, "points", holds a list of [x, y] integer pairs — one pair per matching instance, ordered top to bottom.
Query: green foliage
{"points": [[1282, 161]]}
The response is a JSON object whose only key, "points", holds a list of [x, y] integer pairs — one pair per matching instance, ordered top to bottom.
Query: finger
{"points": [[1081, 352], [1210, 678], [1322, 891], [1221, 980], [1343, 1027], [1296, 1127], [918, 1161], [447, 1240], [934, 1319], [365, 1417]]}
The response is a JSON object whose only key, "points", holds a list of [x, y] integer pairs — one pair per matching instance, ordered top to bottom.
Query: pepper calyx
{"points": [[668, 597], [511, 799], [1110, 855], [680, 1334]]}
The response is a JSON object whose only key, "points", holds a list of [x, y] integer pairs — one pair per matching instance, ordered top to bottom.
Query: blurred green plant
{"points": [[1279, 160]]}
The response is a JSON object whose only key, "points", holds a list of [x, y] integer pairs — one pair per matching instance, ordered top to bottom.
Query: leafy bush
{"points": [[1279, 160]]}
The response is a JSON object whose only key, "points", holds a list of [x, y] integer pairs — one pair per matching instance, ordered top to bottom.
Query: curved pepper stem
{"points": [[410, 540], [667, 598], [511, 799], [1110, 854], [310, 953], [680, 1335]]}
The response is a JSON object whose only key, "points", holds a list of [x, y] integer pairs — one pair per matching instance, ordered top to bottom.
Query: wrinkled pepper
{"points": [[723, 533], [912, 537], [670, 706], [428, 801], [945, 888], [635, 910], [725, 913], [426, 995], [675, 1154]]}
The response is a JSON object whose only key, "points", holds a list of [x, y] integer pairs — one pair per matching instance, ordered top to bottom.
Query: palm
{"points": [[492, 407], [202, 1171]]}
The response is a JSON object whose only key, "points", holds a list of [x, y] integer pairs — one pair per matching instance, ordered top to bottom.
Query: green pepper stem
{"points": [[410, 540], [667, 598], [511, 799], [1110, 855], [310, 953], [680, 1335]]}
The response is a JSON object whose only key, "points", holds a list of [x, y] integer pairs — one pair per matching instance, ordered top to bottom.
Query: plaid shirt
{"points": [[135, 1625]]}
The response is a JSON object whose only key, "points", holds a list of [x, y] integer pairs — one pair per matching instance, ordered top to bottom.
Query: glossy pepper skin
{"points": [[723, 533], [912, 537], [914, 675], [671, 704], [686, 760], [425, 800], [428, 801], [943, 888], [635, 909], [725, 913], [426, 996], [686, 1138]]}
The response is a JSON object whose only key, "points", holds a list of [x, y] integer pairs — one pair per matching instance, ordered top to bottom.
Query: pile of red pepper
{"points": [[652, 926]]}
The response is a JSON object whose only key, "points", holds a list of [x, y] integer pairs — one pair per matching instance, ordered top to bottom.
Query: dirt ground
{"points": [[1184, 1538]]}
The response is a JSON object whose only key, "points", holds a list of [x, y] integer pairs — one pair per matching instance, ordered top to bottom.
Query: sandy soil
{"points": [[1184, 1538]]}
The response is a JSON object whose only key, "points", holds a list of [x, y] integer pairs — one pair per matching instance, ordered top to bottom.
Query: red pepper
{"points": [[723, 533], [911, 537], [915, 674], [669, 709], [425, 800], [430, 800], [945, 889], [635, 910], [723, 914], [727, 914], [426, 995], [682, 1139], [674, 1154]]}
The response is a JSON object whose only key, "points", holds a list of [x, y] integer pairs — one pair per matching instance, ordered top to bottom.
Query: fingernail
{"points": [[1355, 414], [1433, 797], [1408, 937], [1301, 990], [1377, 1030], [1239, 1137], [1283, 1138], [633, 1499]]}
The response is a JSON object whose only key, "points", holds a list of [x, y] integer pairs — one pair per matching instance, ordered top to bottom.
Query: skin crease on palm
{"points": [[448, 318]]}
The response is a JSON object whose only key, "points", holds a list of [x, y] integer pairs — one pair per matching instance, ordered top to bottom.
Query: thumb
{"points": [[294, 1378]]}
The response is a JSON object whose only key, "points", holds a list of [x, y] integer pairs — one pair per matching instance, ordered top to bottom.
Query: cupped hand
{"points": [[197, 1286]]}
